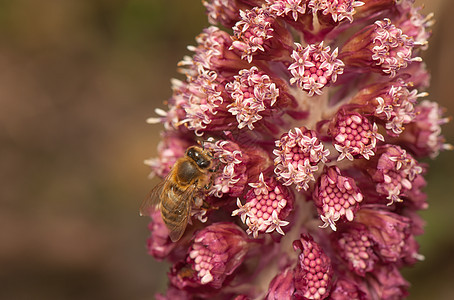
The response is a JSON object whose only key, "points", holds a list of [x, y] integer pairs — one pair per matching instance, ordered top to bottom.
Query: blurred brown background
{"points": [[78, 78]]}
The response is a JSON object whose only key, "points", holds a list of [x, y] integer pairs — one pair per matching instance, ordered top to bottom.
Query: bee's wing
{"points": [[154, 198], [183, 209]]}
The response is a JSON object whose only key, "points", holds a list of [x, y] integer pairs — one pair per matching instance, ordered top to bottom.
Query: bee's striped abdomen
{"points": [[174, 208]]}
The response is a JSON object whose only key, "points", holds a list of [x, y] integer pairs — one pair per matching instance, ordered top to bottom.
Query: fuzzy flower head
{"points": [[293, 8], [222, 11], [252, 32], [383, 46], [210, 51], [314, 67], [252, 92], [392, 103], [201, 107], [313, 117], [424, 133], [354, 136], [298, 154], [233, 161], [234, 166], [396, 171], [267, 204], [214, 254]]}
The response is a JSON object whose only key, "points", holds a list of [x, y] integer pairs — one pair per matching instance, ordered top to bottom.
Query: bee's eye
{"points": [[190, 152], [203, 164]]}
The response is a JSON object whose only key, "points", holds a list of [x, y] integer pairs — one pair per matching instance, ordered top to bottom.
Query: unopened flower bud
{"points": [[313, 274]]}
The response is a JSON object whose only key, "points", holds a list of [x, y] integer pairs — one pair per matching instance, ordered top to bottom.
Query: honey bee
{"points": [[182, 186]]}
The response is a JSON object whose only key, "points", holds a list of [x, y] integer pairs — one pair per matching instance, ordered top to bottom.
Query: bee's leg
{"points": [[215, 169], [210, 182], [209, 185], [199, 200], [207, 206]]}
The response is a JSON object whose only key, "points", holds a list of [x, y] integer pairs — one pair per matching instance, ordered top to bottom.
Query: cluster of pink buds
{"points": [[311, 113]]}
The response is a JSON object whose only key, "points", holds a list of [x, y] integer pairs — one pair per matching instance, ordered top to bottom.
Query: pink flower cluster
{"points": [[312, 112]]}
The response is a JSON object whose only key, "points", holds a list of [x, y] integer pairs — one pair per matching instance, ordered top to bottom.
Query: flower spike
{"points": [[297, 124]]}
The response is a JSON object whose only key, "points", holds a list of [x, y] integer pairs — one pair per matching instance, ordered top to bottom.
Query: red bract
{"points": [[314, 117], [282, 286], [347, 289]]}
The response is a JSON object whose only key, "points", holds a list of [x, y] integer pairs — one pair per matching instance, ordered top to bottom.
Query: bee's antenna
{"points": [[201, 143]]}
